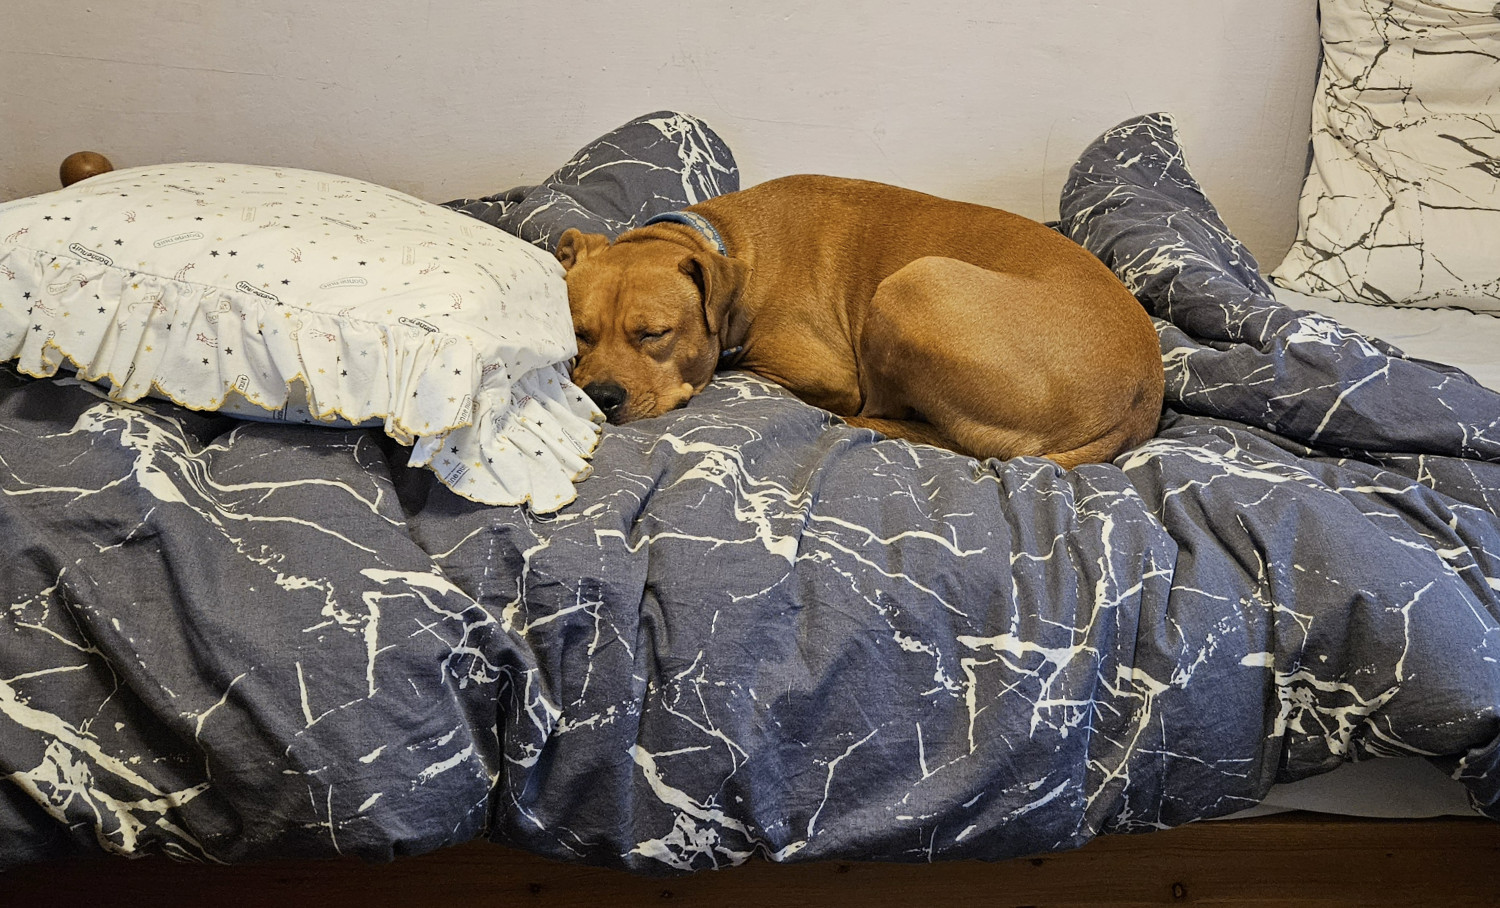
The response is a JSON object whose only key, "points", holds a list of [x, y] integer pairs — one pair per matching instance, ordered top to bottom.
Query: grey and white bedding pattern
{"points": [[655, 163], [759, 631]]}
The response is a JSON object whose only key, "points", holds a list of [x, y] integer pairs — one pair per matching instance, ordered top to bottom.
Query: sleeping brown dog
{"points": [[931, 320]]}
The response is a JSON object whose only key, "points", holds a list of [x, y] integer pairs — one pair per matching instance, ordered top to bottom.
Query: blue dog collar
{"points": [[696, 221]]}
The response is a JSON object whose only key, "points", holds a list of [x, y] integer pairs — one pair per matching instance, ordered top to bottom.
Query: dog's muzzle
{"points": [[608, 396]]}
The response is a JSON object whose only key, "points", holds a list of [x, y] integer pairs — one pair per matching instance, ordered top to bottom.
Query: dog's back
{"points": [[871, 230]]}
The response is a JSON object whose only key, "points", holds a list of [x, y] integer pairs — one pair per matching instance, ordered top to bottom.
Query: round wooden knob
{"points": [[81, 165]]}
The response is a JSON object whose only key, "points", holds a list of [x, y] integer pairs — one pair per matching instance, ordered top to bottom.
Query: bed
{"points": [[757, 635]]}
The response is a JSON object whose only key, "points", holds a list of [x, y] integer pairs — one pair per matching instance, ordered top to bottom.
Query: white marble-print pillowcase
{"points": [[1402, 202], [291, 294]]}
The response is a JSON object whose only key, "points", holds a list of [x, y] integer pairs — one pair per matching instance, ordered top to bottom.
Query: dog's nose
{"points": [[608, 395]]}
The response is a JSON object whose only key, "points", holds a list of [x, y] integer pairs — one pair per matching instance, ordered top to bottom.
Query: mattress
{"points": [[1457, 337], [1403, 787]]}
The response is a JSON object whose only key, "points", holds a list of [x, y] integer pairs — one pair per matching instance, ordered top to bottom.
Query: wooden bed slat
{"points": [[1288, 860]]}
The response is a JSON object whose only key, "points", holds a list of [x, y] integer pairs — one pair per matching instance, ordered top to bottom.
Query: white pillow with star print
{"points": [[280, 293]]}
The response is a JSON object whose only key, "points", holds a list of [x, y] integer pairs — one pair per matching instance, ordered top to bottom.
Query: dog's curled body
{"points": [[937, 321]]}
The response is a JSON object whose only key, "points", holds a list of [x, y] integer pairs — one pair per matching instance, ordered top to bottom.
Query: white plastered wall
{"points": [[984, 100]]}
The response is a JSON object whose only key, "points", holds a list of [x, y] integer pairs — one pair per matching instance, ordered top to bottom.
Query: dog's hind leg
{"points": [[963, 350]]}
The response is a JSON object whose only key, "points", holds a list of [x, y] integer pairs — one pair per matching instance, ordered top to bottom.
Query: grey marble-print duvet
{"points": [[759, 632]]}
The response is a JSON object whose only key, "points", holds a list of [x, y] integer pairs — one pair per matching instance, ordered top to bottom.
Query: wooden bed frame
{"points": [[1287, 860], [1290, 860]]}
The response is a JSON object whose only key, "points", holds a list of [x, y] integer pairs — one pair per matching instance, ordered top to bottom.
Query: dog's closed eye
{"points": [[647, 336]]}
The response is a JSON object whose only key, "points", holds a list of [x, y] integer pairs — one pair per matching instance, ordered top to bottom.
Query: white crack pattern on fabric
{"points": [[760, 631]]}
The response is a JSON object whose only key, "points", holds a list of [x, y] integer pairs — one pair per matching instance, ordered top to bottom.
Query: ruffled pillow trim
{"points": [[210, 348]]}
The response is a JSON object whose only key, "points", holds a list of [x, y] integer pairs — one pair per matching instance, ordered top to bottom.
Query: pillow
{"points": [[1402, 201], [259, 291]]}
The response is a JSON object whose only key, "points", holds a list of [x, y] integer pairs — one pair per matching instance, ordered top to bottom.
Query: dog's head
{"points": [[649, 313]]}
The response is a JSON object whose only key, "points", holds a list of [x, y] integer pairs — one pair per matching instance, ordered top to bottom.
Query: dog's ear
{"points": [[575, 246], [720, 279]]}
